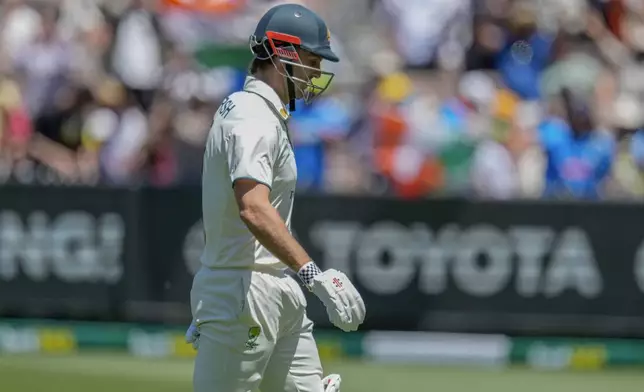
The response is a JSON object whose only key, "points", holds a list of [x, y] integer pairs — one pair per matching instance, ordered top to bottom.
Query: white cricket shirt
{"points": [[246, 140]]}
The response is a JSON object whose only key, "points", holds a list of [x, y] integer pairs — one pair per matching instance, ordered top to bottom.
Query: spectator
{"points": [[20, 24], [429, 32], [489, 39], [526, 52], [137, 55], [44, 67], [572, 68], [409, 116], [465, 119], [15, 128], [121, 128], [314, 129], [188, 136], [579, 156], [399, 159], [499, 161], [628, 172]]}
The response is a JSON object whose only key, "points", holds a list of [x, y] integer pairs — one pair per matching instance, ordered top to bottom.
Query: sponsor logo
{"points": [[73, 247], [481, 261], [253, 335]]}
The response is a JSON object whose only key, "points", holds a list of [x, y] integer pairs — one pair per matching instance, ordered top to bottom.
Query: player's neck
{"points": [[275, 81]]}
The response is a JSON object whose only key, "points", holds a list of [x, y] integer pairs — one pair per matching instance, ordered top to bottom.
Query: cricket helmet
{"points": [[282, 30]]}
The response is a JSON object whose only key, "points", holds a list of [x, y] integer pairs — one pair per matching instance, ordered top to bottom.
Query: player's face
{"points": [[309, 72]]}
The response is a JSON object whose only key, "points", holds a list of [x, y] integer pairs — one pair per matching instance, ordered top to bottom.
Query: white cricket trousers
{"points": [[255, 334]]}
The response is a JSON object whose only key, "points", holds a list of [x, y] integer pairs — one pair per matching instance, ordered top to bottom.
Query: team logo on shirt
{"points": [[253, 335]]}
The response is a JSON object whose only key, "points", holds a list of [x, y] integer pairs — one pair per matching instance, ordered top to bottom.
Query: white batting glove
{"points": [[343, 303], [192, 335], [331, 383]]}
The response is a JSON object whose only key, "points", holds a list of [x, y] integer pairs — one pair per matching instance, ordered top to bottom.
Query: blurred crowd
{"points": [[477, 98]]}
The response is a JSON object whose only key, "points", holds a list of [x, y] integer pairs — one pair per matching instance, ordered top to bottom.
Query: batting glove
{"points": [[343, 303], [192, 335], [331, 383]]}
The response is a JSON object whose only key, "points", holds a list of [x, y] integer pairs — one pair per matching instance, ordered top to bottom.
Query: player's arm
{"points": [[251, 149], [263, 220], [343, 302]]}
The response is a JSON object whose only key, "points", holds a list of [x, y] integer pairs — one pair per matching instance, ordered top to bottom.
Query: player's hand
{"points": [[343, 303], [192, 335], [331, 383]]}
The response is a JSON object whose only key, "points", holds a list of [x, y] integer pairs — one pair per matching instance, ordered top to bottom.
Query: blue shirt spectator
{"points": [[522, 62], [312, 126], [578, 163]]}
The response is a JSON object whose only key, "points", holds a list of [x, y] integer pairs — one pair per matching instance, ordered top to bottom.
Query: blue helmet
{"points": [[282, 30]]}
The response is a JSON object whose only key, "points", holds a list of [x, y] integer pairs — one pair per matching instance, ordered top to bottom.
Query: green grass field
{"points": [[121, 373]]}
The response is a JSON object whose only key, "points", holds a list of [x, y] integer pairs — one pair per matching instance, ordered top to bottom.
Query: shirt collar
{"points": [[257, 86]]}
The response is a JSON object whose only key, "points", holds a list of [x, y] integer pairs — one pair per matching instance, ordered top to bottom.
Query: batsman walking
{"points": [[249, 315]]}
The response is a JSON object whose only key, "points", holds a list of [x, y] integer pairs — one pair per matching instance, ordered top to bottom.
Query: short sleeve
{"points": [[250, 150]]}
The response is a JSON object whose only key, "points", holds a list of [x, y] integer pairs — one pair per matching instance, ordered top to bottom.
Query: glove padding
{"points": [[343, 303], [192, 335], [331, 383]]}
